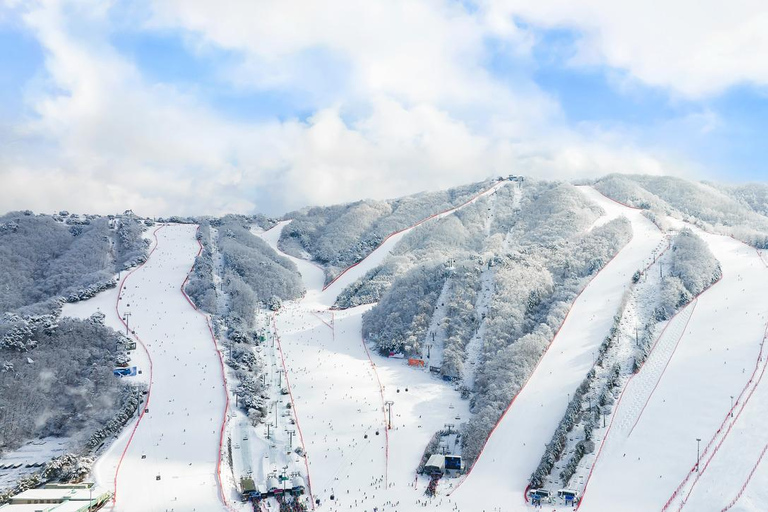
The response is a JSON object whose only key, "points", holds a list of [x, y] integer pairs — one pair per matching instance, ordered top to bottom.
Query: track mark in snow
{"points": [[719, 356], [644, 383]]}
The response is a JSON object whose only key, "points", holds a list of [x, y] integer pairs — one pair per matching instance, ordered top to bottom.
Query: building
{"points": [[453, 462], [435, 465], [59, 498]]}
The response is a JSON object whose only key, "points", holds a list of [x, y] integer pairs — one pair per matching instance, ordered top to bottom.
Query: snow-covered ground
{"points": [[355, 272], [718, 350], [334, 388], [338, 391], [515, 447], [30, 458], [171, 458]]}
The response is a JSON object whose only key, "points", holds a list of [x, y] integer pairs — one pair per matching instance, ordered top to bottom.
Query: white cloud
{"points": [[692, 47], [415, 110]]}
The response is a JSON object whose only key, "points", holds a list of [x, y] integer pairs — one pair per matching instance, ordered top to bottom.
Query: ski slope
{"points": [[376, 258], [718, 356], [328, 365], [339, 389], [177, 438], [516, 445]]}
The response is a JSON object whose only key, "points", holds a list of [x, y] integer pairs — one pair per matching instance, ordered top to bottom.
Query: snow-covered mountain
{"points": [[558, 340]]}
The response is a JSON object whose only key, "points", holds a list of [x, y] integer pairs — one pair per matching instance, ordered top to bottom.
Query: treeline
{"points": [[736, 211], [339, 236], [453, 238], [530, 250], [44, 258], [248, 260], [691, 269], [250, 276], [533, 294], [56, 377]]}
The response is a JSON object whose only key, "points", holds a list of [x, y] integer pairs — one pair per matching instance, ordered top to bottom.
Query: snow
{"points": [[376, 258], [435, 337], [475, 344], [714, 360], [339, 388], [178, 439], [515, 447], [35, 454]]}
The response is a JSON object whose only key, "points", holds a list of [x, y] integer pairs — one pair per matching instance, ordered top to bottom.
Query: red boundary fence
{"points": [[422, 221], [693, 304], [322, 320], [554, 337], [149, 358], [626, 386], [618, 402], [145, 406], [293, 406], [383, 410], [725, 420], [222, 429], [719, 430], [692, 472], [746, 483], [525, 495]]}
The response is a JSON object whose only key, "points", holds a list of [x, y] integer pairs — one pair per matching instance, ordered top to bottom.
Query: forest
{"points": [[737, 211], [341, 235], [525, 252], [56, 373]]}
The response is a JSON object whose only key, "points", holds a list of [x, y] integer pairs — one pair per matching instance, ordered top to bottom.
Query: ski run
{"points": [[350, 426]]}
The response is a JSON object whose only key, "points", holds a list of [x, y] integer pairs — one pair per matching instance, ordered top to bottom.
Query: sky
{"points": [[194, 107]]}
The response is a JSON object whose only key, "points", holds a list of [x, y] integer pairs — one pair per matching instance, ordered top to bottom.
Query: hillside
{"points": [[552, 336]]}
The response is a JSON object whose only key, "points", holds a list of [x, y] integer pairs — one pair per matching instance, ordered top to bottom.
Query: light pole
{"points": [[126, 317], [389, 403], [731, 406], [698, 443]]}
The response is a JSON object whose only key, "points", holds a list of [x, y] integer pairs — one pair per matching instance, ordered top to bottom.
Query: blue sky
{"points": [[266, 107]]}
